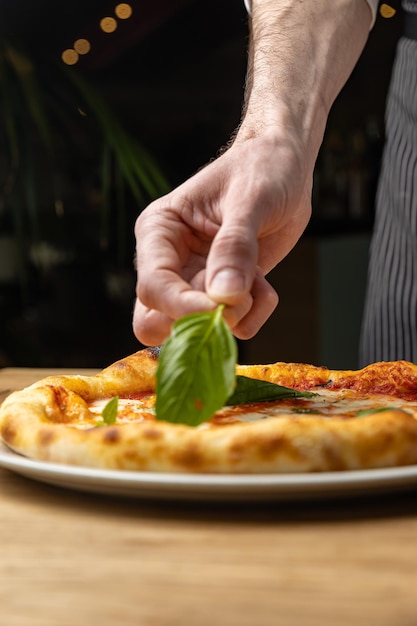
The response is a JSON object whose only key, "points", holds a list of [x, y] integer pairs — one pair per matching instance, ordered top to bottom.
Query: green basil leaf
{"points": [[196, 369], [254, 390], [379, 410], [109, 413]]}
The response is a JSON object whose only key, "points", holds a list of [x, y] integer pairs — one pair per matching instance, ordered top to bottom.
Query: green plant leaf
{"points": [[25, 74], [136, 164], [196, 369], [254, 390], [109, 413]]}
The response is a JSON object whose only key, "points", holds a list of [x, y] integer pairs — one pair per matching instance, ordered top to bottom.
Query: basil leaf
{"points": [[196, 369], [254, 390], [378, 410], [109, 413]]}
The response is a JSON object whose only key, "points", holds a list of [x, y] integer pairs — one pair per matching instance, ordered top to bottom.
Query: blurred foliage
{"points": [[69, 171]]}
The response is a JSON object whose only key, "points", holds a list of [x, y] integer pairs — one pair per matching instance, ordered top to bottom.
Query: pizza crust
{"points": [[39, 422]]}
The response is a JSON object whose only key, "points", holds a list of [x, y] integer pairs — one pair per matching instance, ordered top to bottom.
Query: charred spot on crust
{"points": [[154, 352], [121, 365], [326, 384], [60, 397], [8, 433], [151, 433], [112, 435], [45, 437], [271, 444], [266, 446], [189, 456], [334, 460]]}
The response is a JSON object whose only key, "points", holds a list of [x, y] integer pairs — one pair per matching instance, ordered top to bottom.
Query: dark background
{"points": [[174, 74]]}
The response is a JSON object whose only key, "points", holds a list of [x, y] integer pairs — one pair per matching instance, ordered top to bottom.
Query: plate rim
{"points": [[209, 486]]}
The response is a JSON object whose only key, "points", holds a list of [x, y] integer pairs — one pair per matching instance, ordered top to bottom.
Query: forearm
{"points": [[301, 54]]}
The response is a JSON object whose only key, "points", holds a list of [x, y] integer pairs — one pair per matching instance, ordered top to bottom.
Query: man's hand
{"points": [[214, 238]]}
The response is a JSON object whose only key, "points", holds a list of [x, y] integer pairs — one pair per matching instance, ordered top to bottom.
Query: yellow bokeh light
{"points": [[123, 11], [387, 11], [108, 24], [82, 46], [70, 56]]}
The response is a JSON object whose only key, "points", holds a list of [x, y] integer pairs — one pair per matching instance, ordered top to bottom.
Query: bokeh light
{"points": [[123, 11], [387, 11], [108, 24], [82, 46], [70, 56]]}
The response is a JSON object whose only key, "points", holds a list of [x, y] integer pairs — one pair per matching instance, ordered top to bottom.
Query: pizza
{"points": [[353, 420]]}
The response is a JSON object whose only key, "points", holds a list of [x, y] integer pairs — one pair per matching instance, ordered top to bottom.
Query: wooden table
{"points": [[74, 558]]}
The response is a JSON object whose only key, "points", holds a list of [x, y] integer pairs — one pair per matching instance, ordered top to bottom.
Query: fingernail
{"points": [[227, 282]]}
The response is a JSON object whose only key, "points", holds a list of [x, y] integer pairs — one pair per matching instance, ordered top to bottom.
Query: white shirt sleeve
{"points": [[373, 5]]}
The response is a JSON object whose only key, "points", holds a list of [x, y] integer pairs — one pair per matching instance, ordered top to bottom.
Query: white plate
{"points": [[212, 487]]}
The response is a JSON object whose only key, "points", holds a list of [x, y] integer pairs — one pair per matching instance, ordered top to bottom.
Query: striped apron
{"points": [[389, 326]]}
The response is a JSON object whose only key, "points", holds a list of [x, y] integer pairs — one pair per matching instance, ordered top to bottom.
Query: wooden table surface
{"points": [[75, 558]]}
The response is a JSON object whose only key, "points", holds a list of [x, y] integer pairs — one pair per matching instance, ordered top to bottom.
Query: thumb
{"points": [[231, 263]]}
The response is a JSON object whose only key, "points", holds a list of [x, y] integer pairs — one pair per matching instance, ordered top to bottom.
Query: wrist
{"points": [[300, 56], [301, 127]]}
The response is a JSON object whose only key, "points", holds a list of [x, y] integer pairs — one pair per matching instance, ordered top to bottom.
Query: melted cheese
{"points": [[328, 403], [128, 409]]}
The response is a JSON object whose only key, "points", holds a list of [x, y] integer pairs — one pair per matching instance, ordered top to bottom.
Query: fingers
{"points": [[165, 247], [231, 263], [264, 302], [232, 314], [152, 327]]}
